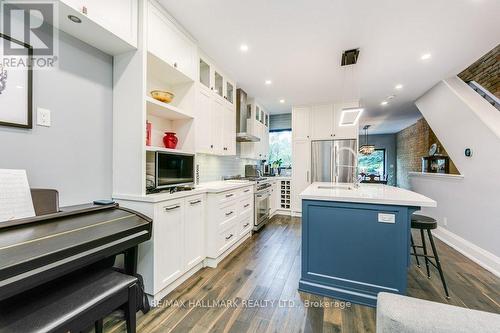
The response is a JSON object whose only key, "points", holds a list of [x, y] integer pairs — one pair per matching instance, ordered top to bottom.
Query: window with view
{"points": [[280, 147], [373, 164]]}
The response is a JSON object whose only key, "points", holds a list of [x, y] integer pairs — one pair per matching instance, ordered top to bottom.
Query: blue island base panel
{"points": [[353, 251], [338, 294]]}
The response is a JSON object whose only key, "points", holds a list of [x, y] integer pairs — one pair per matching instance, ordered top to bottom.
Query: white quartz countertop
{"points": [[208, 187], [366, 193]]}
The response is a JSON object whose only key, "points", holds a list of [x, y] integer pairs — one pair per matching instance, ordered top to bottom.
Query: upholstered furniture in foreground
{"points": [[402, 314]]}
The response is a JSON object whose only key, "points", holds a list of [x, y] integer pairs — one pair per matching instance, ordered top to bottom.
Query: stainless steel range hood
{"points": [[242, 116]]}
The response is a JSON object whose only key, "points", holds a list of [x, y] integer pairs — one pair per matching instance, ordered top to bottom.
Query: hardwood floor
{"points": [[267, 267]]}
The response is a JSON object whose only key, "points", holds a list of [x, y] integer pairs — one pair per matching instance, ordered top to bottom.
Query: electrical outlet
{"points": [[43, 117], [445, 221]]}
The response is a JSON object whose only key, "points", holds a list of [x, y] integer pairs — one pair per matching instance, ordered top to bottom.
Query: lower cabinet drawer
{"points": [[227, 196], [246, 205], [227, 214], [246, 224], [227, 238]]}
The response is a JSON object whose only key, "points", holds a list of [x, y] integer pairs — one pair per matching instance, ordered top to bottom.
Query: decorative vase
{"points": [[148, 133], [170, 140]]}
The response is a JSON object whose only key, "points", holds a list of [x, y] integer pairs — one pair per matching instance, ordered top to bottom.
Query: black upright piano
{"points": [[36, 250]]}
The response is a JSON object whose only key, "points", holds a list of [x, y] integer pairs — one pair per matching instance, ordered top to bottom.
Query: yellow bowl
{"points": [[162, 96]]}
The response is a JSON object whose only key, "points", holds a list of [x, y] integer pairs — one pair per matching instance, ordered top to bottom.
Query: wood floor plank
{"points": [[267, 266]]}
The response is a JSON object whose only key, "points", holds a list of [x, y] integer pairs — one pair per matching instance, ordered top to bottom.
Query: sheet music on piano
{"points": [[15, 195]]}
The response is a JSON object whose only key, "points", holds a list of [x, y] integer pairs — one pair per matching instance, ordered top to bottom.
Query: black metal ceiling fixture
{"points": [[349, 57]]}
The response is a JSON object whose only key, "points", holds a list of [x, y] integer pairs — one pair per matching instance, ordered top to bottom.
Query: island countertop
{"points": [[366, 193]]}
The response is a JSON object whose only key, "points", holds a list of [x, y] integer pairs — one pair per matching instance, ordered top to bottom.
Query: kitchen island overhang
{"points": [[356, 241]]}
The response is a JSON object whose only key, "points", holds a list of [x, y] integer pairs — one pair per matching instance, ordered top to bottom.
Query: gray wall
{"points": [[387, 142], [74, 155]]}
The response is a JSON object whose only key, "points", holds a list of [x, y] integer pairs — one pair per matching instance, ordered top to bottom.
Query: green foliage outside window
{"points": [[280, 147]]}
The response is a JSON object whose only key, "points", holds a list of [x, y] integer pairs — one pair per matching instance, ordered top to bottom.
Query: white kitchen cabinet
{"points": [[118, 16], [110, 26], [167, 42], [217, 112], [321, 118], [203, 121], [321, 122], [301, 123], [216, 124], [257, 125], [229, 130], [301, 171], [275, 197], [229, 220], [194, 224], [169, 249]]}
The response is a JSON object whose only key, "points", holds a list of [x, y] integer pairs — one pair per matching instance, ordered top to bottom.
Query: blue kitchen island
{"points": [[356, 241]]}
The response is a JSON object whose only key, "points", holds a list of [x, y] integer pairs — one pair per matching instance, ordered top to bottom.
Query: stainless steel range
{"points": [[262, 202]]}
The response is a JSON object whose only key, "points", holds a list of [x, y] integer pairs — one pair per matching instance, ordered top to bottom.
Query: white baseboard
{"points": [[483, 258], [213, 262], [167, 290]]}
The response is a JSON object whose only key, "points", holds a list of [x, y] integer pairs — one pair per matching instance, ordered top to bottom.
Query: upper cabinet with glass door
{"points": [[205, 74], [229, 96]]}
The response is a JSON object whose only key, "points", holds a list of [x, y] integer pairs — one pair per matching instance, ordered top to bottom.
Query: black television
{"points": [[173, 169]]}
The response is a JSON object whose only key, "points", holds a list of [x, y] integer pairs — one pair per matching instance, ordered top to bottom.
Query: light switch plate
{"points": [[43, 117], [386, 218]]}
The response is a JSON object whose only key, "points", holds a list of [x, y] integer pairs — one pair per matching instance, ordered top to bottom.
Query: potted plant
{"points": [[276, 166]]}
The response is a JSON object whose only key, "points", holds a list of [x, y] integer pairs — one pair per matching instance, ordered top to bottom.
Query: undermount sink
{"points": [[334, 187]]}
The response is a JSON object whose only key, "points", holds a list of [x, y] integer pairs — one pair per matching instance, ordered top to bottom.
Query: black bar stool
{"points": [[422, 223]]}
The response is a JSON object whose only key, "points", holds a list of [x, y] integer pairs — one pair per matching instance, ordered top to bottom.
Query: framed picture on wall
{"points": [[16, 85]]}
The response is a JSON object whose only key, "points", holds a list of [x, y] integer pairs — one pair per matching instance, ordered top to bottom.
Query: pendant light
{"points": [[350, 82], [366, 149]]}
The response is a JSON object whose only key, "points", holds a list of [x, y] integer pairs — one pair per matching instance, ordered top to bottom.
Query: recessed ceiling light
{"points": [[74, 19], [243, 47], [426, 56], [268, 82], [398, 87], [391, 96], [282, 101], [384, 103]]}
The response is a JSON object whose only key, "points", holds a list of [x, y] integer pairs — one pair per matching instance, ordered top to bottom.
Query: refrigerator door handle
{"points": [[335, 164]]}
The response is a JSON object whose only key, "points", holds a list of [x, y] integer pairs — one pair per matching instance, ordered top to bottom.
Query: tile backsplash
{"points": [[213, 168]]}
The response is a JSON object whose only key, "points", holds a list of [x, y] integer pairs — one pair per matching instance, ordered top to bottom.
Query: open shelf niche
{"points": [[176, 116]]}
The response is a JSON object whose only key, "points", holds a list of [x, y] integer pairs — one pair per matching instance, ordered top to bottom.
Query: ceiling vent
{"points": [[350, 57]]}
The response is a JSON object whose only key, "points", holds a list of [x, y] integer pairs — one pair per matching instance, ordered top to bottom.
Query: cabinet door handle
{"points": [[307, 176], [247, 190], [229, 195], [195, 202], [246, 205], [171, 208], [231, 212], [246, 225], [229, 237]]}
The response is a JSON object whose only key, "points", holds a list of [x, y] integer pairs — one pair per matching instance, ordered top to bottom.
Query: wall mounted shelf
{"points": [[165, 110]]}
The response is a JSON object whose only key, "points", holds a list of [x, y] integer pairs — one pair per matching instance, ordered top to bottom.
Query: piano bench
{"points": [[71, 304]]}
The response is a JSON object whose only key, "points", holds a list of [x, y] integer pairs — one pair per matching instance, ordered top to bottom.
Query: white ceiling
{"points": [[298, 44]]}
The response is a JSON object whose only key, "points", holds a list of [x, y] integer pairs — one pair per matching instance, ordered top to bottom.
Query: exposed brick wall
{"points": [[485, 71], [412, 144]]}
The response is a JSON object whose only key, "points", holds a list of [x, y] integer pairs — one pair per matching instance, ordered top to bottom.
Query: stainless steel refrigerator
{"points": [[334, 161]]}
